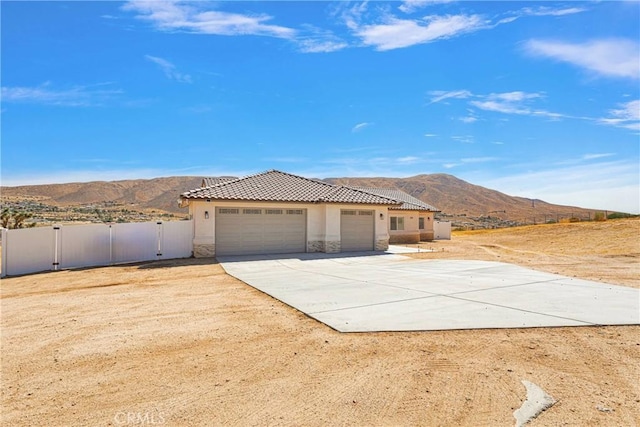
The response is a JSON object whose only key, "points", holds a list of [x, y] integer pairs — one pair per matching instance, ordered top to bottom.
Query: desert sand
{"points": [[182, 343]]}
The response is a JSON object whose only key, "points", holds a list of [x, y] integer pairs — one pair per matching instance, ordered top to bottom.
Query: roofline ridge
{"points": [[242, 178], [317, 181], [218, 184], [372, 194], [411, 199]]}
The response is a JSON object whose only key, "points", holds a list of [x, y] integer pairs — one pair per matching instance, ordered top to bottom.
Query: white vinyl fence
{"points": [[441, 230], [51, 248]]}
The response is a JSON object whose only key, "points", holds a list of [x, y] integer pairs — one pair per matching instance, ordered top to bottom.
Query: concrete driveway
{"points": [[366, 292]]}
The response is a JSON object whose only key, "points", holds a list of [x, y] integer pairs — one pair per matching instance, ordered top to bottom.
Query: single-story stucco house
{"points": [[277, 212]]}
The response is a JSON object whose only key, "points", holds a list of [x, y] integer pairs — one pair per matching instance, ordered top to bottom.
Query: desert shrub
{"points": [[619, 215], [599, 216], [15, 219], [570, 219]]}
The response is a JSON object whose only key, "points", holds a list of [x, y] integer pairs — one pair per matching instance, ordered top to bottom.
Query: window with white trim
{"points": [[228, 211], [252, 211], [273, 211], [294, 211], [349, 212], [397, 222], [421, 223]]}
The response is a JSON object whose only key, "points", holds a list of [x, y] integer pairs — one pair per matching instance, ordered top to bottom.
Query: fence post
{"points": [[159, 238], [56, 243], [110, 245], [3, 271]]}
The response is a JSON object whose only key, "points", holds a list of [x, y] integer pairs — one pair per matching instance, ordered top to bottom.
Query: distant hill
{"points": [[157, 193], [454, 197], [457, 197]]}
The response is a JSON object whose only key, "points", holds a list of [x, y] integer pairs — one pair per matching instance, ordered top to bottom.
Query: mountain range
{"points": [[452, 196]]}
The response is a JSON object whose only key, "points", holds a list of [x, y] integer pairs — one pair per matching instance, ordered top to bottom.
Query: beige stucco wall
{"points": [[323, 223], [411, 233], [427, 234]]}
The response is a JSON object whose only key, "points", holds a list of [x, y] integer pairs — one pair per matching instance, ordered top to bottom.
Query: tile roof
{"points": [[208, 182], [279, 186], [408, 201]]}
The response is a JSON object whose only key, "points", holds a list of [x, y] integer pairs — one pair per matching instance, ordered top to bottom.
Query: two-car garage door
{"points": [[241, 231], [244, 231]]}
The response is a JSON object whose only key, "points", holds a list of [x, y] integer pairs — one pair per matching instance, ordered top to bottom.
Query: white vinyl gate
{"points": [[356, 230], [246, 231], [51, 248]]}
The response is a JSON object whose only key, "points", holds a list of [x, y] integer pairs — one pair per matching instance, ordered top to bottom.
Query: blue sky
{"points": [[534, 99]]}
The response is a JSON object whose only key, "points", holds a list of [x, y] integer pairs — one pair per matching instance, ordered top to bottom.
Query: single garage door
{"points": [[356, 230], [246, 231]]}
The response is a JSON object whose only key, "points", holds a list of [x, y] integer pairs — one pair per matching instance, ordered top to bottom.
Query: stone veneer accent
{"points": [[426, 236], [405, 238], [382, 244], [315, 246], [332, 246], [204, 251]]}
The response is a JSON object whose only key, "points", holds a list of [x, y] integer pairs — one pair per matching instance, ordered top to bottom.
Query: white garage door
{"points": [[356, 230], [244, 231]]}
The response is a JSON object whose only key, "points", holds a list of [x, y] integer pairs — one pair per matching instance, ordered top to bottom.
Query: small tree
{"points": [[104, 216], [12, 219]]}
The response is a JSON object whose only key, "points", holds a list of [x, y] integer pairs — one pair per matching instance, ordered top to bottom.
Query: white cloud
{"points": [[410, 6], [540, 11], [549, 11], [192, 17], [198, 17], [391, 32], [397, 33], [312, 39], [314, 45], [606, 57], [169, 69], [441, 95], [77, 96], [514, 96], [513, 103], [520, 103], [500, 107], [627, 116], [360, 126], [430, 135], [465, 139], [597, 156], [584, 158], [478, 159], [408, 160], [378, 163], [606, 185]]}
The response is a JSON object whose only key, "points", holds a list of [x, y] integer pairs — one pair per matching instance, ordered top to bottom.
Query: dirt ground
{"points": [[181, 343]]}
